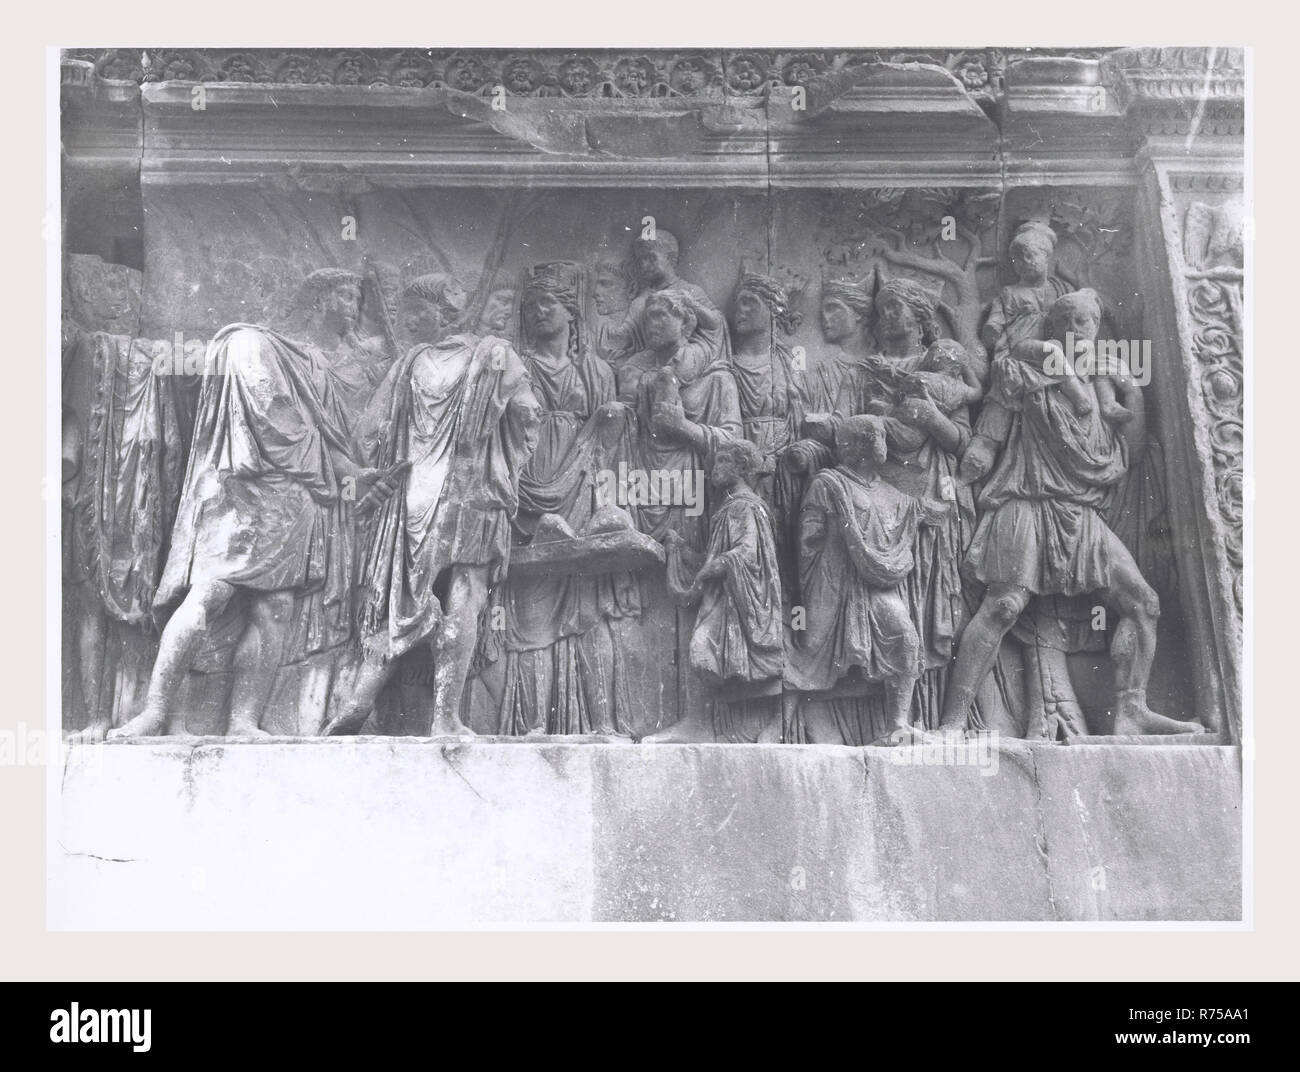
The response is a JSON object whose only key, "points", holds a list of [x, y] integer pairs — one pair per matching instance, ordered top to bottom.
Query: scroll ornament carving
{"points": [[1212, 246]]}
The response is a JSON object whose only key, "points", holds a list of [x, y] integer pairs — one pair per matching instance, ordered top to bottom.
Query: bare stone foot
{"points": [[1133, 718], [146, 724], [347, 724], [450, 727], [242, 728], [688, 730], [947, 731], [771, 733], [92, 734], [904, 735]]}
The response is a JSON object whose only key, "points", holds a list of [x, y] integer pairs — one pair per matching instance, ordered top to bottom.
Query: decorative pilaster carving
{"points": [[1212, 251]]}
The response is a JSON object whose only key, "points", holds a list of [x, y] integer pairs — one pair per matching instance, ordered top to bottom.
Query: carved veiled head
{"points": [[656, 258], [331, 298], [430, 303], [846, 308], [905, 309], [1077, 314], [669, 321], [860, 441], [735, 460]]}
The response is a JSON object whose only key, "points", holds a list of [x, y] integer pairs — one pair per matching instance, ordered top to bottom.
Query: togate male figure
{"points": [[456, 419], [261, 517]]}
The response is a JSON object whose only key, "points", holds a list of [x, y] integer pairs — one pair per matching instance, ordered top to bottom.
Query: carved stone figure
{"points": [[656, 265], [611, 295], [331, 299], [499, 311], [846, 311], [1017, 313], [845, 319], [1015, 320], [773, 397], [682, 414], [453, 423], [125, 431], [924, 442], [1049, 471], [261, 517], [857, 536], [737, 641], [560, 671]]}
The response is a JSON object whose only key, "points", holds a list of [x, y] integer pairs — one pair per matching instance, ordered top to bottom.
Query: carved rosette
{"points": [[693, 74]]}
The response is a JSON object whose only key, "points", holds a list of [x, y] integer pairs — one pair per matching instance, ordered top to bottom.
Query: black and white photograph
{"points": [[650, 486], [595, 493]]}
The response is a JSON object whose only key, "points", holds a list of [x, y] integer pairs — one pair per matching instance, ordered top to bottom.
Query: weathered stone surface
{"points": [[486, 281], [1125, 827], [404, 833]]}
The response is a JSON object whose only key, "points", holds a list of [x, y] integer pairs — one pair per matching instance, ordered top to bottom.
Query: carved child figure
{"points": [[1017, 312], [1015, 323], [1048, 359], [946, 376], [1043, 532], [856, 540], [737, 641]]}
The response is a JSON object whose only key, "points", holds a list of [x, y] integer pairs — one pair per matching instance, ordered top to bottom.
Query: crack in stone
{"points": [[456, 771], [1040, 835], [95, 856]]}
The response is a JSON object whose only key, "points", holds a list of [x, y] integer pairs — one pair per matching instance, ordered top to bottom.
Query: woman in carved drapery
{"points": [[846, 313], [845, 324], [772, 395], [680, 418], [924, 447], [560, 671]]}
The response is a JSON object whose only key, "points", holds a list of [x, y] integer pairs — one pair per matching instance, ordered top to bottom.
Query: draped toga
{"points": [[711, 402], [463, 413], [921, 467], [260, 506], [856, 550], [738, 631]]}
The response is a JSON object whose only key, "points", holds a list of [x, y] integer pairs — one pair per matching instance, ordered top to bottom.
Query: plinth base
{"points": [[402, 833]]}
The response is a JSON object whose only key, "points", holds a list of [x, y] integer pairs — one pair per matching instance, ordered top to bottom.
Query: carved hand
{"points": [[668, 418], [977, 460], [378, 485], [713, 568]]}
